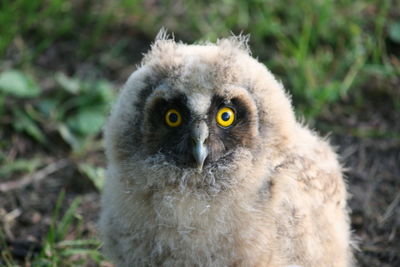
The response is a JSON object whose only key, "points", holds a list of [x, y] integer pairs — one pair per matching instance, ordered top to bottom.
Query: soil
{"points": [[373, 177]]}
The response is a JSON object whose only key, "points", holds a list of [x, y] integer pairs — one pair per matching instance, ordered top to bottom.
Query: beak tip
{"points": [[200, 154], [200, 167]]}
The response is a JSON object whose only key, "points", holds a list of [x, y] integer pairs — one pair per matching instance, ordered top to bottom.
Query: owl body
{"points": [[207, 166]]}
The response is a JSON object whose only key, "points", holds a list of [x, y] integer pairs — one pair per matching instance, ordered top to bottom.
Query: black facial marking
{"points": [[151, 83], [159, 108], [134, 137], [222, 140], [172, 141], [176, 142]]}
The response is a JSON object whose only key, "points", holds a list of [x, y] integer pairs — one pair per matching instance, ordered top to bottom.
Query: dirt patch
{"points": [[366, 132], [373, 182], [26, 213]]}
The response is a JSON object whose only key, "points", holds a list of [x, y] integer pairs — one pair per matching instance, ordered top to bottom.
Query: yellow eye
{"points": [[225, 117], [173, 118]]}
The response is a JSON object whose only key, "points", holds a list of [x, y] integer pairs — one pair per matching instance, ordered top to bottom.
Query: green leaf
{"points": [[394, 31], [18, 84], [68, 84], [105, 91], [47, 106], [2, 108], [87, 121], [24, 123], [74, 141], [20, 165], [95, 174], [65, 224], [79, 243]]}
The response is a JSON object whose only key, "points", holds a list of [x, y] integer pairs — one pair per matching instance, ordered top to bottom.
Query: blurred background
{"points": [[62, 62]]}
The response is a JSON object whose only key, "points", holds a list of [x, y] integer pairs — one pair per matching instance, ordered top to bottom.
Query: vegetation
{"points": [[61, 60]]}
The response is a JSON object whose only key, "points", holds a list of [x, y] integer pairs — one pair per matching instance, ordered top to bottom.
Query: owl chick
{"points": [[207, 166]]}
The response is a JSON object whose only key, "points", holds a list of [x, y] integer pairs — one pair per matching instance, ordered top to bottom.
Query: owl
{"points": [[207, 166]]}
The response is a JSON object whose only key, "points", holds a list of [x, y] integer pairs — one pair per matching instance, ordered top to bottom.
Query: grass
{"points": [[325, 52], [57, 248], [57, 251]]}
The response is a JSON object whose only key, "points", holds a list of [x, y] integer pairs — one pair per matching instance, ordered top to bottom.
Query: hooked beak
{"points": [[199, 150]]}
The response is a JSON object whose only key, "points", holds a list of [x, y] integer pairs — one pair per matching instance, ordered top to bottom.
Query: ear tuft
{"points": [[163, 35], [237, 42], [163, 46]]}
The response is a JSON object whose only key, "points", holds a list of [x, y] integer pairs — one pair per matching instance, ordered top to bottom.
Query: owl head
{"points": [[202, 116]]}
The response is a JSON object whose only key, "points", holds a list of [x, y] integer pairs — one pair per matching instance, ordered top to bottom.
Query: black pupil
{"points": [[225, 116], [173, 117]]}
